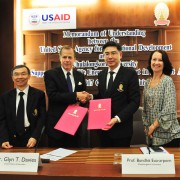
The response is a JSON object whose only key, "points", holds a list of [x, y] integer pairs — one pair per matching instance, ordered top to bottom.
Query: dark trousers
{"points": [[21, 140], [66, 141], [107, 141]]}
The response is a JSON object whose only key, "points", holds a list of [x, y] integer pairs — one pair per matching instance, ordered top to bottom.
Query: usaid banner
{"points": [[49, 18]]}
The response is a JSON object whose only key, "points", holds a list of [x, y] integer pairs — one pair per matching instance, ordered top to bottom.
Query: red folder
{"points": [[99, 113], [71, 119]]}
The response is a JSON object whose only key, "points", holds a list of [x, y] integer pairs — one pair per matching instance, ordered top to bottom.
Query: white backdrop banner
{"points": [[49, 18]]}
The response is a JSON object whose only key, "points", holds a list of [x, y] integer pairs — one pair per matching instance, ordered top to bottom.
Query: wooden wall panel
{"points": [[105, 13], [108, 15], [174, 15], [172, 36], [152, 37], [55, 38], [32, 41], [33, 58], [37, 73]]}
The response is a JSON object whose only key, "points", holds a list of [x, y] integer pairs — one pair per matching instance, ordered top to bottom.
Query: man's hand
{"points": [[83, 96], [110, 124], [31, 142], [6, 145]]}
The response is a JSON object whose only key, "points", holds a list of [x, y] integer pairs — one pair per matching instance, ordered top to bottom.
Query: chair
{"points": [[138, 138]]}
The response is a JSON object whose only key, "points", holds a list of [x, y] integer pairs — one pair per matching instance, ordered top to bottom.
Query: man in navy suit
{"points": [[124, 93], [60, 96], [33, 115]]}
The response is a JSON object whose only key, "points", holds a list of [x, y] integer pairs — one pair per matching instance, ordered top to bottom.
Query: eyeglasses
{"points": [[20, 74]]}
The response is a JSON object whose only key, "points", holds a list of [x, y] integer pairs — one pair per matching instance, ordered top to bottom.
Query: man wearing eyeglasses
{"points": [[122, 86], [22, 112]]}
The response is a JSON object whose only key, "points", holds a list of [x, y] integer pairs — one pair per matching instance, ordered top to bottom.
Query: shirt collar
{"points": [[116, 69], [65, 72], [25, 90]]}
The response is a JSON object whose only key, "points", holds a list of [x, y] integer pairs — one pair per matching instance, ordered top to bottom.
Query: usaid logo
{"points": [[55, 17], [49, 18], [34, 19]]}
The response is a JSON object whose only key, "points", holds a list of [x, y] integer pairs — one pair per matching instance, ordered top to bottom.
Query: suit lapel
{"points": [[62, 78], [76, 79], [104, 79], [117, 80], [12, 100], [30, 100]]}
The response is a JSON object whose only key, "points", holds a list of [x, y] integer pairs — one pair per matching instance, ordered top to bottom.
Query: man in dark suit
{"points": [[122, 86], [61, 94], [25, 133]]}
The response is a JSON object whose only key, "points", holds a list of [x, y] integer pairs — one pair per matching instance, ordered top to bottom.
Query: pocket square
{"points": [[79, 83]]}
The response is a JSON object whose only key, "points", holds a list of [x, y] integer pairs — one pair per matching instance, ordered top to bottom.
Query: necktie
{"points": [[69, 82], [110, 83], [20, 115]]}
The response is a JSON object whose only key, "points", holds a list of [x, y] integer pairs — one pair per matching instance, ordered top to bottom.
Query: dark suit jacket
{"points": [[59, 96], [125, 96], [36, 112]]}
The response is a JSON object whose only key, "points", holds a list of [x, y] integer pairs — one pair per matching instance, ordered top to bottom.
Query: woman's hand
{"points": [[152, 128]]}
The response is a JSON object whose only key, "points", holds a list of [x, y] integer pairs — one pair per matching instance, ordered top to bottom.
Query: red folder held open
{"points": [[99, 113], [71, 119]]}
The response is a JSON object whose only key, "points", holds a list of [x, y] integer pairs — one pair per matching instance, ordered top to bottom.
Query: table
{"points": [[87, 164]]}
